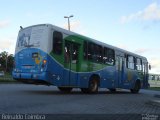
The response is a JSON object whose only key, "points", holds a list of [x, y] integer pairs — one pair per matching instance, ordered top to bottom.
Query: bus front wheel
{"points": [[136, 88], [65, 89]]}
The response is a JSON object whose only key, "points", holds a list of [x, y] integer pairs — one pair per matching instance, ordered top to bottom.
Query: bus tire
{"points": [[92, 87], [136, 87], [65, 89], [85, 90], [112, 90]]}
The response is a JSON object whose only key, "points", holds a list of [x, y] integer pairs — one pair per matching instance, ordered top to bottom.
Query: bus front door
{"points": [[71, 55], [120, 71], [145, 75]]}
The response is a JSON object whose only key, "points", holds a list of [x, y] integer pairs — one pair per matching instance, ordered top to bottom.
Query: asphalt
{"points": [[32, 99]]}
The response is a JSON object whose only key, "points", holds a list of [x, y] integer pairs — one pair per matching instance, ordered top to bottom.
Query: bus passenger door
{"points": [[71, 55], [120, 71], [145, 75]]}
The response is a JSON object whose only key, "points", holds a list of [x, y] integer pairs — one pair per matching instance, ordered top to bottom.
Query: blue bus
{"points": [[49, 55]]}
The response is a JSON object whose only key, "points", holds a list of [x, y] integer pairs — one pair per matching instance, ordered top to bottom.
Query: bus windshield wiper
{"points": [[29, 45]]}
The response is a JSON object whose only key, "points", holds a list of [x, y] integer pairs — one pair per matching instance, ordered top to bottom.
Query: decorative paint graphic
{"points": [[30, 37], [24, 38], [38, 60], [129, 75]]}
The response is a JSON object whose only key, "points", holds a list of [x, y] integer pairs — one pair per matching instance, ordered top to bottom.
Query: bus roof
{"points": [[89, 39]]}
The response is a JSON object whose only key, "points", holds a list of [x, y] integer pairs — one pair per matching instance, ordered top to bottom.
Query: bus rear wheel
{"points": [[92, 88], [136, 88], [65, 89], [84, 90], [112, 90]]}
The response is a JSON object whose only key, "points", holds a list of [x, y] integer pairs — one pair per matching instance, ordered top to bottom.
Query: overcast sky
{"points": [[133, 25]]}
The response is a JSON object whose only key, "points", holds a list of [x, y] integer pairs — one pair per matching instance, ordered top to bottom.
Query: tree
{"points": [[6, 61], [10, 63]]}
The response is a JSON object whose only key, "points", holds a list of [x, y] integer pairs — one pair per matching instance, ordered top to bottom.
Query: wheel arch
{"points": [[95, 76], [136, 82]]}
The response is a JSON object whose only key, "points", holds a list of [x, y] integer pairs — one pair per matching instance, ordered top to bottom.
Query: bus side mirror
{"points": [[149, 67]]}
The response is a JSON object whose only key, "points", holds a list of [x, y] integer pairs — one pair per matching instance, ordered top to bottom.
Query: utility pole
{"points": [[68, 17]]}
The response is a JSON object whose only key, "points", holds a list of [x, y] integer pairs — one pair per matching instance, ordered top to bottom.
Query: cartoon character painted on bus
{"points": [[24, 40]]}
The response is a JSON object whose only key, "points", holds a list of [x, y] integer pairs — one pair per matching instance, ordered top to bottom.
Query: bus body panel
{"points": [[36, 61]]}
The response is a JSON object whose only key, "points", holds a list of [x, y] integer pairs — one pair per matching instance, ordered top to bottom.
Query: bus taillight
{"points": [[44, 63]]}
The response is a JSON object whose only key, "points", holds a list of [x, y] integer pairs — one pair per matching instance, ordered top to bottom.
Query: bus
{"points": [[49, 55], [154, 80]]}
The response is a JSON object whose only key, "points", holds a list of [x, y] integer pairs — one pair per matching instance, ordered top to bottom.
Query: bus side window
{"points": [[57, 42], [85, 50], [90, 51], [97, 53], [100, 53], [105, 55], [108, 57], [111, 58], [130, 62], [139, 64]]}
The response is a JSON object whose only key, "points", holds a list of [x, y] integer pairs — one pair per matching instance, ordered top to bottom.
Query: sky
{"points": [[133, 25]]}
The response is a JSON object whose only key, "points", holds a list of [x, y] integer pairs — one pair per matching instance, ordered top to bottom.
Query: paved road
{"points": [[22, 98]]}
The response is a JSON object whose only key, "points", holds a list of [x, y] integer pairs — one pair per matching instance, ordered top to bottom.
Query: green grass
{"points": [[7, 78], [154, 88]]}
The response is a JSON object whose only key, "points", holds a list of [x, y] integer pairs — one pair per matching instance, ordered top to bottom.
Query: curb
{"points": [[9, 82], [157, 96], [154, 102]]}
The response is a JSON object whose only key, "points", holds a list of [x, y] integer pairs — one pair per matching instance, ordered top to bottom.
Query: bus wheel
{"points": [[92, 87], [136, 88], [65, 89], [85, 90], [112, 90]]}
